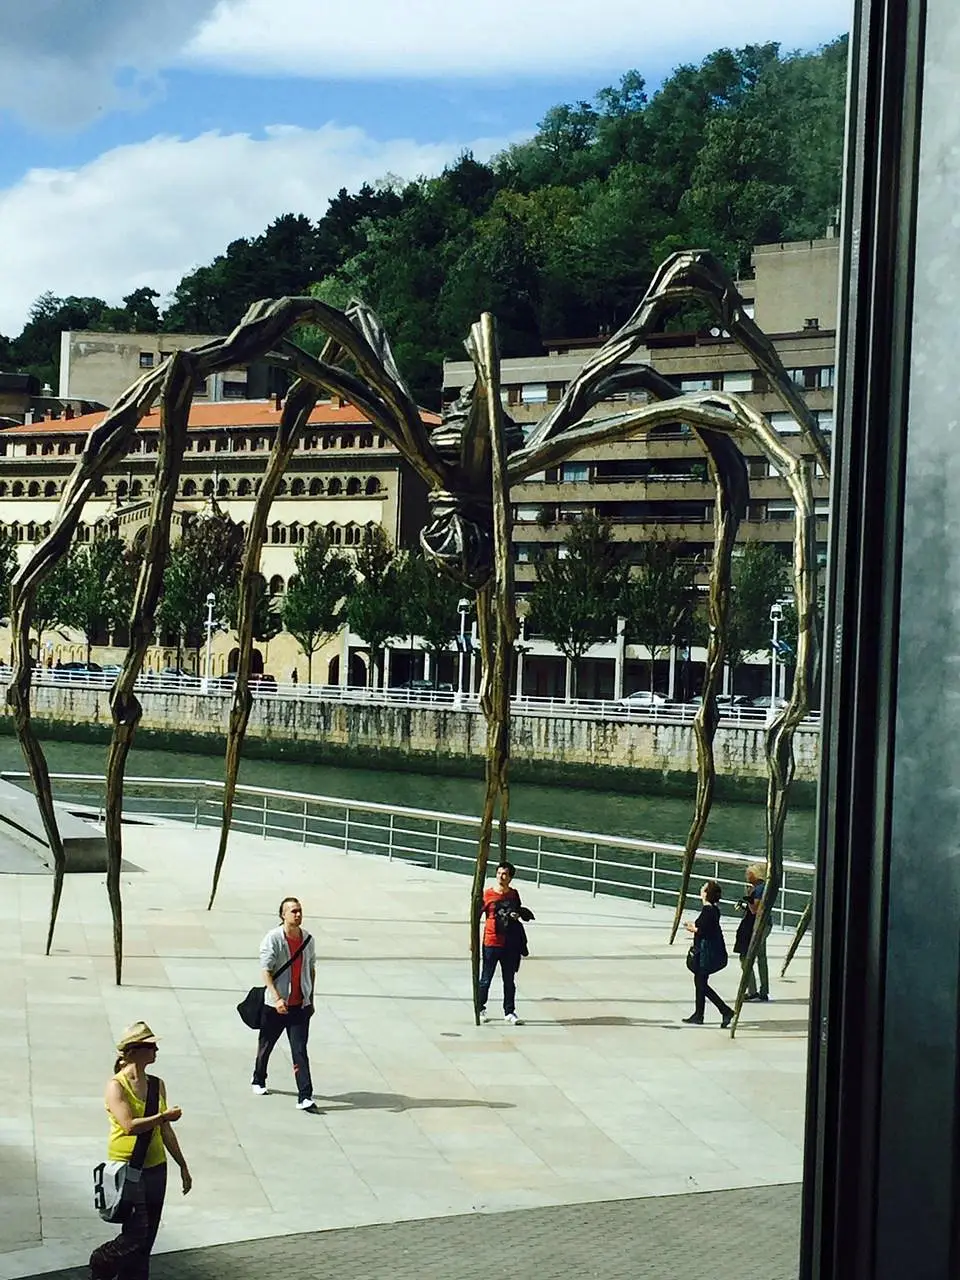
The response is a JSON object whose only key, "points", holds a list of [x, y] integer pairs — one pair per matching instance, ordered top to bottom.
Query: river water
{"points": [[733, 826]]}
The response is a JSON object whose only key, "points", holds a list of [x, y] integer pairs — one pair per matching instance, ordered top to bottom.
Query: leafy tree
{"points": [[206, 559], [8, 567], [760, 577], [102, 578], [577, 596], [660, 601], [51, 604], [430, 605], [376, 606], [313, 607], [267, 622]]}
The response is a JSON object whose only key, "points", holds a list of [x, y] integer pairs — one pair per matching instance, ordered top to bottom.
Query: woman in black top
{"points": [[709, 954]]}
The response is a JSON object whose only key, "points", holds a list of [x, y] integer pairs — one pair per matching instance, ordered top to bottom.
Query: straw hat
{"points": [[137, 1033]]}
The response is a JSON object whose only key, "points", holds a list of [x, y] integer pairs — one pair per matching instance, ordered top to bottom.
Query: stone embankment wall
{"points": [[638, 755]]}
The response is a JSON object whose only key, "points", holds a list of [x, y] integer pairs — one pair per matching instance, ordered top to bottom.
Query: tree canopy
{"points": [[556, 235], [313, 607]]}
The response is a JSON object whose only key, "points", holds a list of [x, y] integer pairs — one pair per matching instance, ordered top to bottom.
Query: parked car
{"points": [[77, 670], [185, 679], [644, 699], [725, 700], [764, 702]]}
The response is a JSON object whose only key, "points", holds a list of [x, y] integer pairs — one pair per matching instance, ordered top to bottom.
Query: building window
{"points": [[146, 359], [826, 377], [736, 383], [697, 384], [234, 390], [534, 393], [824, 419], [785, 424], [575, 473], [353, 486], [372, 486], [316, 487], [334, 487], [189, 489], [243, 489], [33, 491], [780, 510], [526, 514]]}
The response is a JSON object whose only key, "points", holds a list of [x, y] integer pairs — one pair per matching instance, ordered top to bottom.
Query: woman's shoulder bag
{"points": [[115, 1181]]}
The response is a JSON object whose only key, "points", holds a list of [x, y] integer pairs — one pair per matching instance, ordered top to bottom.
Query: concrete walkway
{"points": [[602, 1096]]}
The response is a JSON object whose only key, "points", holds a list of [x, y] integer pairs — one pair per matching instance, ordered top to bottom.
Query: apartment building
{"points": [[100, 366], [344, 477], [658, 485]]}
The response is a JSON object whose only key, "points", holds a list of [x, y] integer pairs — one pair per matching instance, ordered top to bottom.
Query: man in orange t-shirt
{"points": [[503, 940]]}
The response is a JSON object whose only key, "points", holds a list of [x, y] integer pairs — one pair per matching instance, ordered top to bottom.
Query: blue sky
{"points": [[137, 139]]}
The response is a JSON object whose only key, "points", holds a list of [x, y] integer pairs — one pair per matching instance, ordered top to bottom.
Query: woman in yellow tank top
{"points": [[127, 1257]]}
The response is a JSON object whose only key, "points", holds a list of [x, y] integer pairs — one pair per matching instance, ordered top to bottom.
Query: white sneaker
{"points": [[484, 1016], [513, 1019], [259, 1089], [305, 1104]]}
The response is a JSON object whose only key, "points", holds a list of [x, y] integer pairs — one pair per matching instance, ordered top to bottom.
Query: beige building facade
{"points": [[345, 477]]}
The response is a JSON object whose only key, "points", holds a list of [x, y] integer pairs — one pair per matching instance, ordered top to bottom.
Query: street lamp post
{"points": [[211, 601], [463, 608], [776, 617]]}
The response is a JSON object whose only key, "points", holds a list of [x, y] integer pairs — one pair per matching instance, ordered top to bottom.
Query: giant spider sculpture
{"points": [[469, 463]]}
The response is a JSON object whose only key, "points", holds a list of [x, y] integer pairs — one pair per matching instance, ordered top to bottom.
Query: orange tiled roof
{"points": [[230, 413]]}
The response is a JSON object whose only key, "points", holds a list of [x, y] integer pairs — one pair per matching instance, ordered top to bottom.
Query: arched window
{"points": [[346, 440], [366, 440], [329, 441], [47, 448], [373, 485], [353, 486], [316, 487], [334, 487], [3, 488], [121, 488], [189, 488], [208, 488], [243, 488], [281, 488], [297, 488], [17, 489], [50, 489], [136, 489], [223, 489], [33, 491], [101, 491], [31, 532], [369, 532], [16, 533], [278, 534], [296, 534], [277, 586]]}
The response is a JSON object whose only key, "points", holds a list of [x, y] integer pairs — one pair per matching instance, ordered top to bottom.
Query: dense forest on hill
{"points": [[557, 236]]}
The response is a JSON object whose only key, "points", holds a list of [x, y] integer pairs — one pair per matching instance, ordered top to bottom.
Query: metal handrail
{"points": [[433, 699], [621, 865]]}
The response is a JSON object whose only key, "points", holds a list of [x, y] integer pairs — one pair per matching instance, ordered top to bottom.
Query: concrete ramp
{"points": [[22, 833]]}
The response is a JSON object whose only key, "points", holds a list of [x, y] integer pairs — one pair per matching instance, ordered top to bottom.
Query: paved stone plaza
{"points": [[600, 1102]]}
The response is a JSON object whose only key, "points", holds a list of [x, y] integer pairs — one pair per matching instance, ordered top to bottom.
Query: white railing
{"points": [[436, 699], [643, 869]]}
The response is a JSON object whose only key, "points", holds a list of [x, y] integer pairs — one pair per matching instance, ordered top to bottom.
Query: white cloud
{"points": [[429, 38], [65, 62], [145, 214]]}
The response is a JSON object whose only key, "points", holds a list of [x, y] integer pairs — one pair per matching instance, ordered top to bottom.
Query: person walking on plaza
{"points": [[750, 902], [504, 941], [708, 955], [288, 960], [128, 1091]]}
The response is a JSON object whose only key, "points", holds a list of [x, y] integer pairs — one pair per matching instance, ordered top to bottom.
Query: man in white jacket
{"points": [[288, 960]]}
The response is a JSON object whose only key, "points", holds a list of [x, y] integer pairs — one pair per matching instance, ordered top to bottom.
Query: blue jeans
{"points": [[509, 963]]}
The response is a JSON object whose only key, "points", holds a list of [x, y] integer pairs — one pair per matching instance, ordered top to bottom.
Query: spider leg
{"points": [[299, 404], [105, 445], [729, 474], [497, 624], [125, 706], [803, 924]]}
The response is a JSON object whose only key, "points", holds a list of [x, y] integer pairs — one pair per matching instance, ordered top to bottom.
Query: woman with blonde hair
{"points": [[750, 905], [127, 1257]]}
